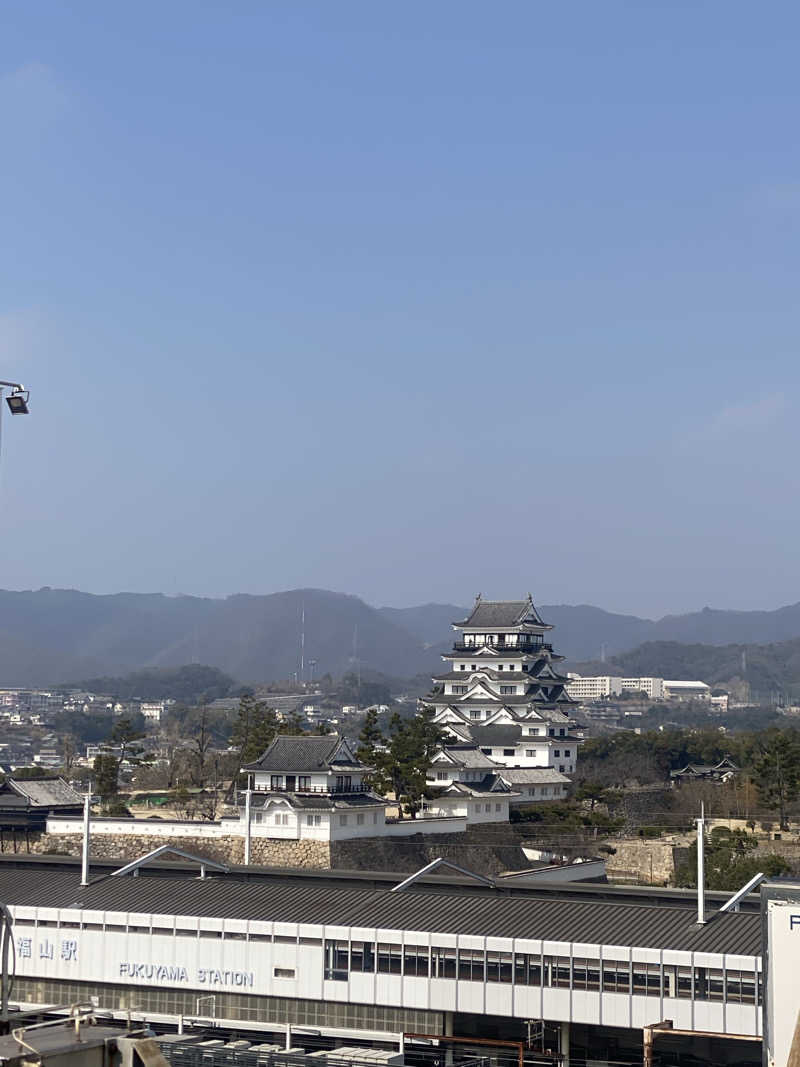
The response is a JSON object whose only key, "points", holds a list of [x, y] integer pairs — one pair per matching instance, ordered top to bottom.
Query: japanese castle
{"points": [[502, 671]]}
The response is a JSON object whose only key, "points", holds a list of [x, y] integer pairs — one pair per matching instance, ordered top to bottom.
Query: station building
{"points": [[573, 972]]}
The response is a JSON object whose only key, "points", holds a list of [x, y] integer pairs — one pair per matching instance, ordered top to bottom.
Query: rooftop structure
{"points": [[699, 772], [26, 803]]}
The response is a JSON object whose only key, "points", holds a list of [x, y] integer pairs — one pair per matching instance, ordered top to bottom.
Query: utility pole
{"points": [[701, 873]]}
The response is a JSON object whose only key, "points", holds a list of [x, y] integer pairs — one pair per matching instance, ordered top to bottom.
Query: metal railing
{"points": [[504, 646]]}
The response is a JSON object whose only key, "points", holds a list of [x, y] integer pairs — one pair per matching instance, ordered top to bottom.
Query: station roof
{"points": [[451, 909]]}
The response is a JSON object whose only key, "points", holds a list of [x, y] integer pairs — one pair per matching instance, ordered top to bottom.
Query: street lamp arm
{"points": [[13, 385]]}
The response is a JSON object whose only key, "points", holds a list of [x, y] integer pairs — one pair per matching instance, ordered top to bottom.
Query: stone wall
{"points": [[485, 849], [266, 853], [642, 861]]}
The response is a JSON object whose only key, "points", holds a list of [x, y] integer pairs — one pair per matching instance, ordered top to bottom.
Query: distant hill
{"points": [[53, 635], [191, 684]]}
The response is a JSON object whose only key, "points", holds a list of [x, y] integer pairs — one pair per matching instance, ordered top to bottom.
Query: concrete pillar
{"points": [[448, 1031], [563, 1044]]}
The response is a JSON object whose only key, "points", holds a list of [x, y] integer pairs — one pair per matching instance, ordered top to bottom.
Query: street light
{"points": [[18, 399], [18, 403]]}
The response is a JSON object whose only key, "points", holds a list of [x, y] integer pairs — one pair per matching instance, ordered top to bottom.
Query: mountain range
{"points": [[49, 636]]}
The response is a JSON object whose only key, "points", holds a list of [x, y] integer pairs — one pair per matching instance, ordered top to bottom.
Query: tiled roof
{"points": [[499, 613], [305, 752], [469, 756], [534, 776], [489, 785], [45, 792], [321, 801]]}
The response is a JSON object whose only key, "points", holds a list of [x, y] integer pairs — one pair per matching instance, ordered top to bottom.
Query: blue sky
{"points": [[408, 301]]}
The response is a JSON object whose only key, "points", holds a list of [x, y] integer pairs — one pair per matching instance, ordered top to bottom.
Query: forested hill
{"points": [[53, 635], [766, 668]]}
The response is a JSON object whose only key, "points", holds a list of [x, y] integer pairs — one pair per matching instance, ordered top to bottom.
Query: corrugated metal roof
{"points": [[658, 926]]}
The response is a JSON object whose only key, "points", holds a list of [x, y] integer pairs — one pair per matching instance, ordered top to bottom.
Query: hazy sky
{"points": [[408, 300]]}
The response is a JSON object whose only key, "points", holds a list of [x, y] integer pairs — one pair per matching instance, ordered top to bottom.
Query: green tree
{"points": [[254, 730], [128, 739], [371, 745], [67, 752], [404, 764], [776, 771], [106, 774], [595, 793], [729, 862]]}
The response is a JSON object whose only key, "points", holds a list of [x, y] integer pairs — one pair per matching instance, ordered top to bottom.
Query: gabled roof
{"points": [[502, 613], [496, 735], [306, 752], [467, 755], [519, 776], [488, 785], [44, 792]]}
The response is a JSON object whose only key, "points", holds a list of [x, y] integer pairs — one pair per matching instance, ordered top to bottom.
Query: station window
{"points": [[362, 957], [390, 959], [415, 961], [443, 962], [336, 964], [471, 965], [498, 967], [527, 969], [557, 971], [585, 973], [616, 977], [647, 979], [678, 982], [708, 984], [740, 987]]}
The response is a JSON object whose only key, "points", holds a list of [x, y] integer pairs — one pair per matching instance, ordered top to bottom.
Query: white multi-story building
{"points": [[599, 687], [653, 688], [686, 690], [153, 710]]}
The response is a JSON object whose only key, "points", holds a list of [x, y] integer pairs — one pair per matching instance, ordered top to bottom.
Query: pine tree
{"points": [[253, 732], [411, 748], [776, 772]]}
